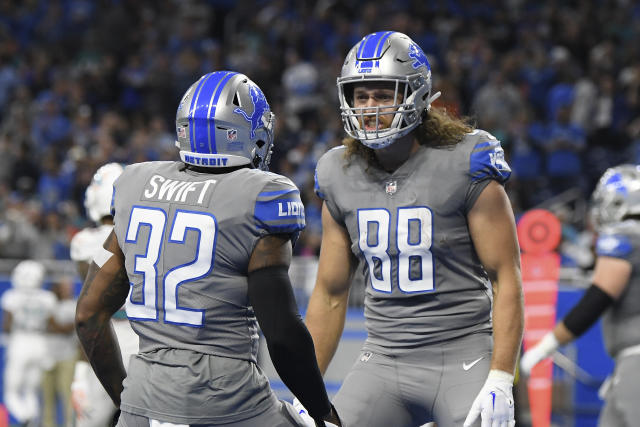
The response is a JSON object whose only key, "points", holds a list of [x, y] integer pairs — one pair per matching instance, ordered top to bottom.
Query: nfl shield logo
{"points": [[182, 133], [232, 134], [391, 187]]}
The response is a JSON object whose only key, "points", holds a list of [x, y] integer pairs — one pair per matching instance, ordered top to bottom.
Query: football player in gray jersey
{"points": [[414, 201], [199, 256], [613, 294]]}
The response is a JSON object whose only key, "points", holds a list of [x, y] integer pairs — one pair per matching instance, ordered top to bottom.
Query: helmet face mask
{"points": [[393, 58], [224, 120], [98, 196], [616, 196]]}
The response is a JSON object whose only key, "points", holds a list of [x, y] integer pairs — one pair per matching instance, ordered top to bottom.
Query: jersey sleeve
{"points": [[486, 163], [323, 183], [279, 209], [614, 245], [80, 247]]}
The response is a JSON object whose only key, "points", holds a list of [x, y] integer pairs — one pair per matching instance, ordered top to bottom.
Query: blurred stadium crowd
{"points": [[83, 83]]}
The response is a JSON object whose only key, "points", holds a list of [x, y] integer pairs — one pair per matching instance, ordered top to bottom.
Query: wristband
{"points": [[81, 369], [499, 375]]}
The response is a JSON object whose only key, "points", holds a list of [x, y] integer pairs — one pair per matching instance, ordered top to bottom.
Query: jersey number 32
{"points": [[146, 265]]}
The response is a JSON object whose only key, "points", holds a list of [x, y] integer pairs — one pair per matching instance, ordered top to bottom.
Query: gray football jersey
{"points": [[187, 238], [424, 281], [621, 322]]}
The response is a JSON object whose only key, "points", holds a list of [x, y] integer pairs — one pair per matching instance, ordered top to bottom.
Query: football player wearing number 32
{"points": [[414, 201], [199, 256]]}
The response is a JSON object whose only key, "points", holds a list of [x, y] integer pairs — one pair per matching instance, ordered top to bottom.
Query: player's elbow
{"points": [[83, 316], [282, 332]]}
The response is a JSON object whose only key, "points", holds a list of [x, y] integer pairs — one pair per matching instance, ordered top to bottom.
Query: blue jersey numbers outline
{"points": [[205, 225], [375, 248]]}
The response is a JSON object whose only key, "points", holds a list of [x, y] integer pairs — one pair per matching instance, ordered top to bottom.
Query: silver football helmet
{"points": [[393, 57], [224, 120], [617, 195], [97, 197], [28, 274]]}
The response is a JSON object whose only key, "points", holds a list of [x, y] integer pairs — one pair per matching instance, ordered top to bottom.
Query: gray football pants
{"points": [[436, 383], [621, 408], [281, 415]]}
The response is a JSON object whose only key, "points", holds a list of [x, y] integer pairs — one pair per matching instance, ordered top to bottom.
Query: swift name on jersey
{"points": [[159, 188]]}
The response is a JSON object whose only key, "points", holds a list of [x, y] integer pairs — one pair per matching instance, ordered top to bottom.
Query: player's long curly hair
{"points": [[438, 129]]}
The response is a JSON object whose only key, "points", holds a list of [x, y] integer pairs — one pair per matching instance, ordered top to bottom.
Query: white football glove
{"points": [[543, 349], [80, 389], [494, 403], [302, 411]]}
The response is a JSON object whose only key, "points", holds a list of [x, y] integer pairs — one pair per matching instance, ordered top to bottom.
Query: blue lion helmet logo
{"points": [[418, 55], [260, 105], [615, 183]]}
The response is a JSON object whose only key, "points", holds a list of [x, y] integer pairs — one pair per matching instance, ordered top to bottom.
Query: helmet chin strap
{"points": [[433, 98]]}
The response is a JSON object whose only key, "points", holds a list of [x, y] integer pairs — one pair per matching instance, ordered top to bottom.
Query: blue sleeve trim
{"points": [[487, 161], [316, 186], [278, 193], [112, 207], [279, 209], [280, 215], [283, 228], [616, 246]]}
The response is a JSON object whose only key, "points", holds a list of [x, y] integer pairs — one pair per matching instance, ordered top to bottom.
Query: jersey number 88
{"points": [[374, 229]]}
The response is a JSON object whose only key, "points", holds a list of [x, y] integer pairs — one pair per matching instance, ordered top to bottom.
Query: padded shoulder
{"points": [[486, 159]]}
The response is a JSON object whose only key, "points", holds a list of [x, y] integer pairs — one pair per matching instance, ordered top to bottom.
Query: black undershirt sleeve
{"points": [[288, 340]]}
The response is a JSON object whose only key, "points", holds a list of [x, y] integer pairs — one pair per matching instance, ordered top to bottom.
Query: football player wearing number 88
{"points": [[414, 200], [198, 265]]}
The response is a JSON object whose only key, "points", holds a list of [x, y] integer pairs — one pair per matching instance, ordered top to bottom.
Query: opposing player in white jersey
{"points": [[414, 201], [200, 252], [613, 295], [28, 310], [93, 406]]}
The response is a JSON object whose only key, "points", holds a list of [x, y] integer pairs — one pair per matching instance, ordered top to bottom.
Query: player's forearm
{"points": [[105, 290], [325, 321], [508, 325], [562, 334], [100, 345], [290, 345], [292, 354]]}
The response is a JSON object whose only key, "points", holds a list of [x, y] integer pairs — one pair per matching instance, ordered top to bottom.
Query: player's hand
{"points": [[543, 349], [79, 390], [79, 399], [494, 403], [302, 411], [116, 417], [333, 419], [310, 422]]}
